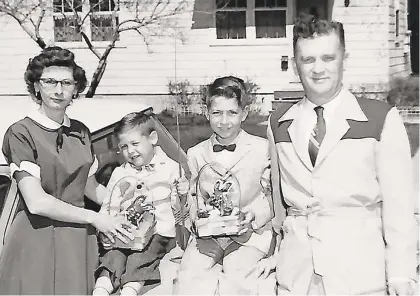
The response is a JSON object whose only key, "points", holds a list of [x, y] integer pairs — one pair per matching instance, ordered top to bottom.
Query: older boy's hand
{"points": [[245, 224]]}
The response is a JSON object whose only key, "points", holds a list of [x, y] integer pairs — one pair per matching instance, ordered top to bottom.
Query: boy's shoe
{"points": [[100, 291]]}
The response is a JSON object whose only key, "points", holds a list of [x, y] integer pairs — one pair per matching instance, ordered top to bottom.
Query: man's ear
{"points": [[345, 60], [294, 66], [245, 112], [206, 113], [153, 137]]}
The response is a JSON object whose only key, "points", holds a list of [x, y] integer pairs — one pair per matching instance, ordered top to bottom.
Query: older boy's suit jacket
{"points": [[249, 163], [365, 231]]}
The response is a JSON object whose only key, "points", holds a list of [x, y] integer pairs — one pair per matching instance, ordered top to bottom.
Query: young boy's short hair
{"points": [[230, 87], [135, 120]]}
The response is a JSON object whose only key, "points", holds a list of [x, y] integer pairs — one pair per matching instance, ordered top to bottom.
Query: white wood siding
{"points": [[135, 69]]}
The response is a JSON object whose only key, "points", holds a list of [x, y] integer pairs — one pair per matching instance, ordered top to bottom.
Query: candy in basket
{"points": [[217, 195], [131, 198]]}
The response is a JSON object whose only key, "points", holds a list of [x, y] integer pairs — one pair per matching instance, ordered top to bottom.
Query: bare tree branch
{"points": [[149, 18]]}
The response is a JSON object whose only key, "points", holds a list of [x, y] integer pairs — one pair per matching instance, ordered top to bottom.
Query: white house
{"points": [[247, 38]]}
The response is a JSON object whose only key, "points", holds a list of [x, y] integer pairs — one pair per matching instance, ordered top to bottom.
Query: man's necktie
{"points": [[317, 134], [218, 147]]}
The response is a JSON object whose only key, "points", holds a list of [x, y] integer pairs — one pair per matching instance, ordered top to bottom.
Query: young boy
{"points": [[222, 264], [135, 271]]}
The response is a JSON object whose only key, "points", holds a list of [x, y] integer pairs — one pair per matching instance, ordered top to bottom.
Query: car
{"points": [[99, 115]]}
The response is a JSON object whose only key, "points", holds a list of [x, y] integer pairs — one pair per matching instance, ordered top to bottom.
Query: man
{"points": [[344, 166]]}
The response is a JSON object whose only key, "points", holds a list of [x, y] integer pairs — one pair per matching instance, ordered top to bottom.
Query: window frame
{"points": [[274, 8], [228, 9], [250, 23], [87, 25]]}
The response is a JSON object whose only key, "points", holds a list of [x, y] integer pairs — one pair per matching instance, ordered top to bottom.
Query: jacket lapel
{"points": [[348, 108], [299, 132]]}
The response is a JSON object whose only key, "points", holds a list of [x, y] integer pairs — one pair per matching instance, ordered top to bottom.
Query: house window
{"points": [[233, 16], [270, 18], [231, 19], [102, 24], [65, 28]]}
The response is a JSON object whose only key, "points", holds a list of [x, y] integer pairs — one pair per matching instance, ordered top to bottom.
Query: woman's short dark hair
{"points": [[53, 56], [230, 87], [135, 120]]}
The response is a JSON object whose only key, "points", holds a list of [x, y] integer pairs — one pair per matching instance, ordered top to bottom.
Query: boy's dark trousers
{"points": [[126, 265]]}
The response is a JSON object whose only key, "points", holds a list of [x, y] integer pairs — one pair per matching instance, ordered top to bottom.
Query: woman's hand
{"points": [[113, 227]]}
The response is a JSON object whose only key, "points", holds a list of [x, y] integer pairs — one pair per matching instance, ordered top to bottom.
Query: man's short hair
{"points": [[310, 26]]}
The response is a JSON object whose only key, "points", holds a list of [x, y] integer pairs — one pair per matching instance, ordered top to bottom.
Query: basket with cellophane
{"points": [[217, 196], [132, 199]]}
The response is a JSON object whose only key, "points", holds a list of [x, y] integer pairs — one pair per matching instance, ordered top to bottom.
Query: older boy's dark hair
{"points": [[310, 26], [53, 56], [230, 87], [135, 120]]}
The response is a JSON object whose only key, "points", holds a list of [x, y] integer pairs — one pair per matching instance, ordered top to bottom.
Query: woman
{"points": [[51, 247]]}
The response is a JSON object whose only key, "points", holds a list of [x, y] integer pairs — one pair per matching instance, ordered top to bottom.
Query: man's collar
{"points": [[345, 103], [39, 117]]}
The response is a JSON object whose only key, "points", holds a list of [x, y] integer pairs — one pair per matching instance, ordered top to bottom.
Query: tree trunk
{"points": [[99, 72], [96, 78]]}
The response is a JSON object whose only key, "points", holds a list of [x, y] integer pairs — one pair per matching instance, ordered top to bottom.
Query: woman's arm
{"points": [[95, 191], [42, 204]]}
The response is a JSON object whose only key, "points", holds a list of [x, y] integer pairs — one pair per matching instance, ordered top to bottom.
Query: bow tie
{"points": [[218, 147], [149, 167]]}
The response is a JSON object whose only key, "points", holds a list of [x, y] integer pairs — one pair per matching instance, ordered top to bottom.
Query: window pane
{"points": [[270, 3], [230, 4], [58, 5], [77, 5], [94, 5], [231, 24], [270, 24], [102, 27], [65, 30]]}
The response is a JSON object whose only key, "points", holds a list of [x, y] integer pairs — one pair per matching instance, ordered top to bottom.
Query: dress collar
{"points": [[42, 119]]}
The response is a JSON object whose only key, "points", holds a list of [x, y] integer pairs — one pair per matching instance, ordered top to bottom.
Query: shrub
{"points": [[404, 92]]}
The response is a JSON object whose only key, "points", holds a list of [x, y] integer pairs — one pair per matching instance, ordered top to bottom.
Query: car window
{"points": [[5, 183]]}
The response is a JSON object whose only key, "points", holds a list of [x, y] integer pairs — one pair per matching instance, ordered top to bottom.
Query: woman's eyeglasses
{"points": [[52, 83]]}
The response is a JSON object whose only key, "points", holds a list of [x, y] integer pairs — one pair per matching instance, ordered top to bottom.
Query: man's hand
{"points": [[263, 268], [398, 288]]}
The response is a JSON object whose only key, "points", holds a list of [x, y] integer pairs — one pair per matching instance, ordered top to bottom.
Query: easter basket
{"points": [[217, 195], [132, 199]]}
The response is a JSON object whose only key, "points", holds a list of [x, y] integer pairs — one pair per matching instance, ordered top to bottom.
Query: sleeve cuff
{"points": [[27, 166], [93, 167]]}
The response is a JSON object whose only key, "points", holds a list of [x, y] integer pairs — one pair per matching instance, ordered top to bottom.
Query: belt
{"points": [[349, 212]]}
